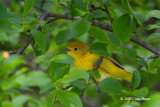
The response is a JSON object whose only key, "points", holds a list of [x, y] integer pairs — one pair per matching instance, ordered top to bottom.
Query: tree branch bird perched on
{"points": [[86, 60]]}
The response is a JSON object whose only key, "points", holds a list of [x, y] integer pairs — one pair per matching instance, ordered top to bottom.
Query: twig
{"points": [[43, 1], [71, 3], [64, 5], [38, 7], [95, 8], [109, 15], [51, 20], [104, 26], [21, 50], [13, 52], [155, 56], [30, 59], [145, 59], [98, 63], [36, 64], [139, 67], [67, 87], [82, 94]]}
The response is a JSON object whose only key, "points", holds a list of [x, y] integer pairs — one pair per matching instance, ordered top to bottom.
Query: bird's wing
{"points": [[115, 62]]}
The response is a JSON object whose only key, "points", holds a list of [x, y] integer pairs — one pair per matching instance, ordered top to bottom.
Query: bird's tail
{"points": [[127, 76]]}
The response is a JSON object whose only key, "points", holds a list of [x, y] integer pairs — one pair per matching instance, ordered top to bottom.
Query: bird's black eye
{"points": [[75, 49]]}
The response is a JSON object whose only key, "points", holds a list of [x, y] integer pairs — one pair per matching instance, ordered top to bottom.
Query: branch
{"points": [[43, 1], [71, 3], [64, 5], [109, 15], [145, 45], [21, 50], [37, 66], [96, 66], [67, 87]]}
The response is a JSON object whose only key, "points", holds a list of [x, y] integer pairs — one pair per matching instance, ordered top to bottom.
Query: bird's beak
{"points": [[66, 49]]}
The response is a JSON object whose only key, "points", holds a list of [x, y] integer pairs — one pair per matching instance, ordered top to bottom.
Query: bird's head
{"points": [[77, 49]]}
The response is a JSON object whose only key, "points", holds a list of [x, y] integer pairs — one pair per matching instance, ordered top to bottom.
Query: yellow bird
{"points": [[86, 60]]}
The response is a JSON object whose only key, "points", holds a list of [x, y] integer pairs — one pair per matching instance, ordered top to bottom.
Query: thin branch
{"points": [[43, 1], [71, 3], [64, 5], [38, 7], [95, 8], [109, 15], [51, 20], [107, 27], [145, 45], [21, 50], [155, 56], [30, 59], [98, 63], [36, 64], [139, 67], [67, 87]]}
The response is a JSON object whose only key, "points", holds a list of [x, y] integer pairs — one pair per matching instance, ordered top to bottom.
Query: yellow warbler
{"points": [[86, 60]]}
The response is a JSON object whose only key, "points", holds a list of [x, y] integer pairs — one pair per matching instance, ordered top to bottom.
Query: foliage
{"points": [[35, 72]]}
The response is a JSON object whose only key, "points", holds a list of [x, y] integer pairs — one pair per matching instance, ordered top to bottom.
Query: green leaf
{"points": [[106, 2], [28, 5], [126, 5], [3, 10], [154, 13], [15, 18], [5, 25], [153, 26], [79, 27], [122, 28], [98, 34], [63, 36], [152, 36], [39, 39], [115, 41], [99, 48], [37, 50], [131, 53], [63, 58], [12, 61], [157, 62], [143, 63], [58, 70], [153, 70], [96, 74], [75, 75], [37, 78], [136, 79], [13, 82], [78, 84], [110, 85], [48, 88], [141, 92], [51, 99], [69, 99], [20, 100], [153, 101]]}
